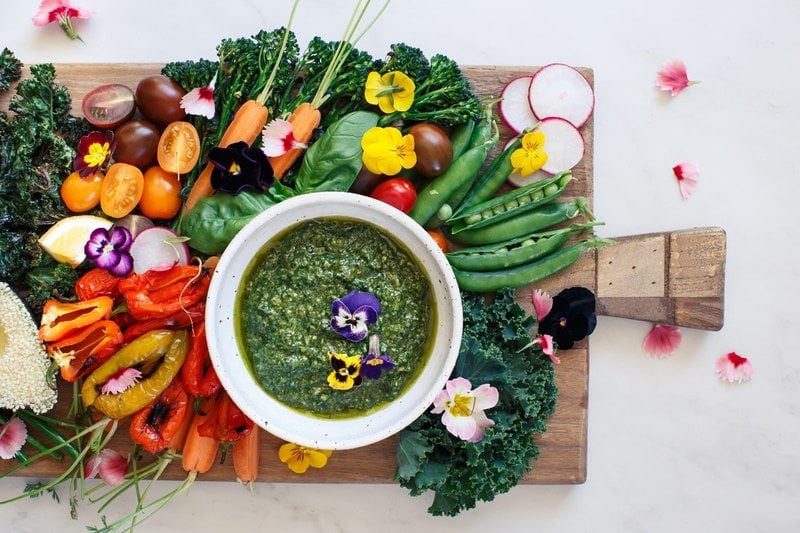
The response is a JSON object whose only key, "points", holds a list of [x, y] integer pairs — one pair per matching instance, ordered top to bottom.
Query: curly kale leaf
{"points": [[10, 69], [495, 349]]}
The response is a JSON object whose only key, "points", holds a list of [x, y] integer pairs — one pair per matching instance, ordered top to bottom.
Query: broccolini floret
{"points": [[408, 59]]}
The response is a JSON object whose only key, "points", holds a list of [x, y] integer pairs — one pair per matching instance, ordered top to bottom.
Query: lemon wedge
{"points": [[66, 239]]}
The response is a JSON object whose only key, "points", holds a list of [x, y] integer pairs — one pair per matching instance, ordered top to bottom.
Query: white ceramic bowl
{"points": [[231, 366]]}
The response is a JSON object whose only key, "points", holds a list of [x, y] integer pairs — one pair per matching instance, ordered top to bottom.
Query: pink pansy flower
{"points": [[63, 12], [672, 77], [200, 101], [278, 138], [687, 174], [542, 303], [662, 340], [546, 342], [732, 367], [121, 381], [463, 408], [12, 437], [109, 464]]}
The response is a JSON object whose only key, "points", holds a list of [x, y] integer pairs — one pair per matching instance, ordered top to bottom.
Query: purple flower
{"points": [[239, 167], [110, 250], [353, 313], [572, 317], [375, 363]]}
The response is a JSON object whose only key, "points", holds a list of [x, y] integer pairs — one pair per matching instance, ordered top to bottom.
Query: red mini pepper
{"points": [[153, 280], [97, 282], [164, 301], [61, 318], [178, 320], [79, 353], [197, 374], [226, 422], [154, 426]]}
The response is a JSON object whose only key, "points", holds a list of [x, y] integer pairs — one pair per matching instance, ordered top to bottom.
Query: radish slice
{"points": [[559, 90], [515, 108], [563, 143], [517, 180], [158, 248]]}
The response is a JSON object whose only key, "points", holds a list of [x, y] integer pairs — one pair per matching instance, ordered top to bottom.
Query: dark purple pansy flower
{"points": [[239, 167], [109, 250], [353, 313], [572, 317], [375, 363]]}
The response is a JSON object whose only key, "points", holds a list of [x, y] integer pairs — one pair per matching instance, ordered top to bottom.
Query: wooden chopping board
{"points": [[670, 278]]}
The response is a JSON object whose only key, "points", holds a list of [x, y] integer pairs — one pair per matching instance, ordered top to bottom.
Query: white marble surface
{"points": [[671, 448]]}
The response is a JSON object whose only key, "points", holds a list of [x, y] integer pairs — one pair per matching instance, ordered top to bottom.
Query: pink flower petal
{"points": [[53, 10], [672, 77], [199, 101], [278, 138], [687, 174], [542, 303], [662, 340], [546, 342], [732, 367], [121, 381], [12, 437], [109, 464]]}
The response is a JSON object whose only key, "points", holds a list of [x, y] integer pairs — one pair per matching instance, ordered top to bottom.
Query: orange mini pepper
{"points": [[60, 318], [79, 353], [154, 426]]}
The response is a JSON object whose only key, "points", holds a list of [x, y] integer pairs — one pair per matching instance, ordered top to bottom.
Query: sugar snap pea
{"points": [[461, 136], [491, 179], [512, 203], [539, 219], [515, 251], [518, 276]]}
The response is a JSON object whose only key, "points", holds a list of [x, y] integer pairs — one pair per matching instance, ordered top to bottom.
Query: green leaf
{"points": [[411, 451]]}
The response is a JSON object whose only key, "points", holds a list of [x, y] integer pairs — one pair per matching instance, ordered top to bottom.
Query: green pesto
{"points": [[284, 310]]}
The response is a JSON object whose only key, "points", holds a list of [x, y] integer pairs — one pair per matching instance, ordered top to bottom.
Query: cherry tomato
{"points": [[159, 99], [108, 106], [137, 143], [178, 148], [433, 148], [365, 182], [122, 189], [397, 192], [81, 194], [161, 195], [440, 240]]}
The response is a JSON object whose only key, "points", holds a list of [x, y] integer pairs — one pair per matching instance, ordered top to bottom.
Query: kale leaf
{"points": [[10, 69], [496, 349]]}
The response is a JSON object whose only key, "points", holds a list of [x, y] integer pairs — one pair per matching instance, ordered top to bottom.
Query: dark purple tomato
{"points": [[159, 99], [108, 106], [137, 143], [433, 148], [365, 182]]}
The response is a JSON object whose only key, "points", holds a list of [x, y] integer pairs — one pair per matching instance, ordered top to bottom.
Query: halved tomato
{"points": [[108, 106], [178, 147], [122, 189], [81, 194]]}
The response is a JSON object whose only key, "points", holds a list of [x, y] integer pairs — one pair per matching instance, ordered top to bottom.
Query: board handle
{"points": [[671, 278]]}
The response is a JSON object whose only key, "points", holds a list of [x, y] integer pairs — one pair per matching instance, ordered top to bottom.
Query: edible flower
{"points": [[63, 12], [672, 77], [394, 91], [200, 100], [278, 138], [94, 151], [387, 151], [529, 157], [239, 167], [687, 174], [110, 250], [542, 303], [352, 314], [572, 317], [662, 340], [546, 342], [375, 363], [734, 368], [346, 372], [121, 381], [463, 408], [12, 437], [299, 458], [110, 464]]}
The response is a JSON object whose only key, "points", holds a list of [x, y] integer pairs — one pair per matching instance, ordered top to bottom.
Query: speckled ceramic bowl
{"points": [[231, 364]]}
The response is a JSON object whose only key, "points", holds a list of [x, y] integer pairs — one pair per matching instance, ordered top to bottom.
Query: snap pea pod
{"points": [[460, 138], [490, 180], [512, 203], [538, 219], [513, 252], [533, 272]]}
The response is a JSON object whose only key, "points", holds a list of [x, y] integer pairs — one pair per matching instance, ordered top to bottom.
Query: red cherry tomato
{"points": [[397, 192]]}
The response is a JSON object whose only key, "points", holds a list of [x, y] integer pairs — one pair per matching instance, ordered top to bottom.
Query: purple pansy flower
{"points": [[110, 250], [353, 313], [375, 363]]}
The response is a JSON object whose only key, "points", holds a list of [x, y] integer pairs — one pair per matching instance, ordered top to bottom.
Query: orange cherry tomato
{"points": [[178, 147], [121, 190], [81, 194], [161, 195], [440, 240]]}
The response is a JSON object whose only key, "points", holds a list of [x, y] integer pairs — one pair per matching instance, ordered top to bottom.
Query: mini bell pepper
{"points": [[153, 280], [97, 282], [162, 302], [60, 318], [179, 320], [79, 353], [159, 354], [197, 374], [226, 422], [155, 426]]}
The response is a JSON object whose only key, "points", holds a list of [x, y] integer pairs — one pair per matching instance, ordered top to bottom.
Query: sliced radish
{"points": [[559, 90], [514, 107], [562, 142], [517, 180], [158, 248]]}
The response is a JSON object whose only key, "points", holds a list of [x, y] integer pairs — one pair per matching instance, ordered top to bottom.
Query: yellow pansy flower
{"points": [[394, 91], [387, 151], [530, 157], [299, 458]]}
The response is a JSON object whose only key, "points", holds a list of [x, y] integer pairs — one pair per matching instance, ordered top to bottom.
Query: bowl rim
{"points": [[229, 362]]}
